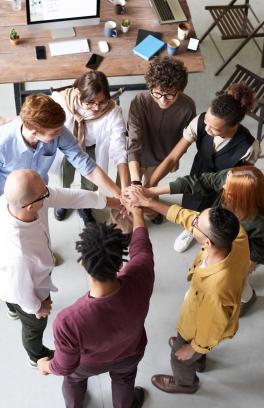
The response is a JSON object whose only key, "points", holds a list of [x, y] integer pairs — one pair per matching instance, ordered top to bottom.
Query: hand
{"points": [[135, 196], [252, 267], [45, 309], [185, 352], [43, 365]]}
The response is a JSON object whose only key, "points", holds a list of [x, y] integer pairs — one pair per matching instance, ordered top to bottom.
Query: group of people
{"points": [[222, 209]]}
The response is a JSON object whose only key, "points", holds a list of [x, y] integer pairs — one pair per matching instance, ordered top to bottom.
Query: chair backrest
{"points": [[242, 74], [115, 91]]}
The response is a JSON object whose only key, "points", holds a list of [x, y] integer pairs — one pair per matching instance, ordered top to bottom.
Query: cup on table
{"points": [[120, 6], [110, 29], [183, 31], [173, 46]]}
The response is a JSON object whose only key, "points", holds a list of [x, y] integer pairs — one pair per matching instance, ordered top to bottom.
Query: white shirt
{"points": [[107, 133], [190, 134], [26, 260]]}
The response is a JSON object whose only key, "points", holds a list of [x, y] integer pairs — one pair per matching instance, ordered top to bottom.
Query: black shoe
{"points": [[60, 213], [86, 215], [158, 220], [138, 397]]}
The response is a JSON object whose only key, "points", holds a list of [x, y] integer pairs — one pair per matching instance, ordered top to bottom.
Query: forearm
{"points": [[169, 162], [135, 170], [124, 175], [100, 178], [155, 191], [113, 202], [157, 206], [138, 219]]}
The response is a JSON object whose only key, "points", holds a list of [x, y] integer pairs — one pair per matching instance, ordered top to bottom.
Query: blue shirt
{"points": [[16, 154]]}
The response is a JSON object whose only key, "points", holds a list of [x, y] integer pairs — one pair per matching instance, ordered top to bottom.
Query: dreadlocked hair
{"points": [[102, 248]]}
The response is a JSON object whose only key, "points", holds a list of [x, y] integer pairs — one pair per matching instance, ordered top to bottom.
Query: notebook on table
{"points": [[142, 34], [148, 47]]}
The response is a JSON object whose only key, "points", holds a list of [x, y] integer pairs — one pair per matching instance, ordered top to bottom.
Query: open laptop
{"points": [[168, 11]]}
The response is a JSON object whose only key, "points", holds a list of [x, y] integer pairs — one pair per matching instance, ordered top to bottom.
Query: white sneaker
{"points": [[183, 241], [12, 315], [32, 364]]}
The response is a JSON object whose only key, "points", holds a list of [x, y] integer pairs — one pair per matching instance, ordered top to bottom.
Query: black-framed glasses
{"points": [[167, 96], [95, 104], [45, 195], [195, 225]]}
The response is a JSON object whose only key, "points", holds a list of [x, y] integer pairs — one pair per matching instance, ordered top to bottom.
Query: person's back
{"points": [[112, 328], [104, 330]]}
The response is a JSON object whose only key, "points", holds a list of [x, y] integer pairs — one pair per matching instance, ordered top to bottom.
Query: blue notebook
{"points": [[148, 47]]}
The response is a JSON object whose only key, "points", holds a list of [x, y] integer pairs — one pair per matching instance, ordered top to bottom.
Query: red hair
{"points": [[244, 192]]}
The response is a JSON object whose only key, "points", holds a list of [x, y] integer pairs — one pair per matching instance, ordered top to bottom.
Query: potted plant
{"points": [[125, 25], [14, 37]]}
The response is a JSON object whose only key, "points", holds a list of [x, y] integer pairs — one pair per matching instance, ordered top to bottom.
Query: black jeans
{"points": [[32, 333], [184, 371], [122, 374]]}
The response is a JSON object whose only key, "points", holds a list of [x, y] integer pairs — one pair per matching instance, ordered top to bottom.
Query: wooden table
{"points": [[19, 64]]}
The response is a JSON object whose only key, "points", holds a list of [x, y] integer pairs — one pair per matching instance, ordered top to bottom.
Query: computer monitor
{"points": [[61, 15]]}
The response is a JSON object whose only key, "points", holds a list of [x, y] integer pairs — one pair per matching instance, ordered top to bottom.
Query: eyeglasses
{"points": [[167, 96], [95, 104], [45, 195], [195, 225]]}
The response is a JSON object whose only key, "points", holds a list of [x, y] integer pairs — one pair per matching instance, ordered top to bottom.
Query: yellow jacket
{"points": [[210, 311]]}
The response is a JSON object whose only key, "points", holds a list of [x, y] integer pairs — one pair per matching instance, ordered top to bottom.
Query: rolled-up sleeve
{"points": [[134, 132], [76, 156]]}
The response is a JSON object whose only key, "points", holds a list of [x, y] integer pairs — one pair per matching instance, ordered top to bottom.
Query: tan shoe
{"points": [[166, 383]]}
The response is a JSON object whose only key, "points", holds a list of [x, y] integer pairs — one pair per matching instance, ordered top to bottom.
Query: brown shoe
{"points": [[201, 363], [166, 383]]}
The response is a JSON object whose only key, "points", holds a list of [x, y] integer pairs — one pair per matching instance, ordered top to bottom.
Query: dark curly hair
{"points": [[166, 73], [233, 104], [224, 227], [102, 248]]}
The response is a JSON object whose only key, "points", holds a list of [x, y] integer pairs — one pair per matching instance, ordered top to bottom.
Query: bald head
{"points": [[22, 187]]}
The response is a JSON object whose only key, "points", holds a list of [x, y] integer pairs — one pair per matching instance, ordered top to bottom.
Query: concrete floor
{"points": [[234, 377]]}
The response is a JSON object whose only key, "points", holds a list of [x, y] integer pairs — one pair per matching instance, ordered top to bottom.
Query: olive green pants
{"points": [[68, 173]]}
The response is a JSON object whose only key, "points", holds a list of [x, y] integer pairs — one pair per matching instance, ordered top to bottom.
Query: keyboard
{"points": [[168, 11], [69, 47]]}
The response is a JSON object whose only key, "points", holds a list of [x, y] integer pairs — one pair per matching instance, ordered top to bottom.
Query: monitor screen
{"points": [[61, 11]]}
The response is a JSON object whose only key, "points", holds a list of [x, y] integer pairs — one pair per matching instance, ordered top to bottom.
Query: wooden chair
{"points": [[234, 22], [242, 74]]}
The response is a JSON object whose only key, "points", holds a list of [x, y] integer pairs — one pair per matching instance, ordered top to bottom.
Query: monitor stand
{"points": [[63, 32]]}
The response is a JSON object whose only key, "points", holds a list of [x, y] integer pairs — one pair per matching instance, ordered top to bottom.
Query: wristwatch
{"points": [[136, 183]]}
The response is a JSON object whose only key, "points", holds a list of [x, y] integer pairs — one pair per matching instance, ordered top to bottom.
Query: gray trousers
{"points": [[184, 372]]}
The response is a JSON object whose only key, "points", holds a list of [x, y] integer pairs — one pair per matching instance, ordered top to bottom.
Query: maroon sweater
{"points": [[101, 331]]}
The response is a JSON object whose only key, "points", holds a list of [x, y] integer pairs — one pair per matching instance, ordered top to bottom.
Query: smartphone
{"points": [[40, 52], [94, 61]]}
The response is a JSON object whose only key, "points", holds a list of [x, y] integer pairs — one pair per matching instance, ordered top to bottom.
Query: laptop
{"points": [[168, 11]]}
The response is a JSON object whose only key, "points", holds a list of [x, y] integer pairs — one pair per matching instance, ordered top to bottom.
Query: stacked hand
{"points": [[45, 309]]}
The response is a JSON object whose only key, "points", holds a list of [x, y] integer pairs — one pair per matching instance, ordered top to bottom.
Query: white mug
{"points": [[183, 31]]}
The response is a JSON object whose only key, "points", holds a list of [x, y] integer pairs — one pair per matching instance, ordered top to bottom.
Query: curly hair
{"points": [[167, 74], [90, 84], [234, 103], [102, 248]]}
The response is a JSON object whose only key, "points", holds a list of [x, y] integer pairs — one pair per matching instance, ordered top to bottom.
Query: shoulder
{"points": [[142, 98], [187, 101], [9, 130]]}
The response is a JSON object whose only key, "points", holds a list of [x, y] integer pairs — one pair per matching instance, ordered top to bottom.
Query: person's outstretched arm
{"points": [[170, 162]]}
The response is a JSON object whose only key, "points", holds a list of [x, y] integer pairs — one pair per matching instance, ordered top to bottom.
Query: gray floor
{"points": [[235, 369]]}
